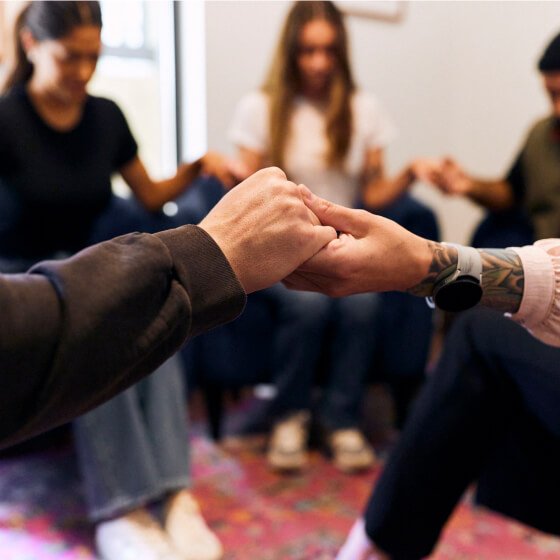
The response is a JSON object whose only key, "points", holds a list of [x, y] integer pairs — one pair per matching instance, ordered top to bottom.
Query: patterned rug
{"points": [[257, 514]]}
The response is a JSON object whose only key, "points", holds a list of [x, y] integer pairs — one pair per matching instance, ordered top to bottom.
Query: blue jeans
{"points": [[304, 323], [135, 448]]}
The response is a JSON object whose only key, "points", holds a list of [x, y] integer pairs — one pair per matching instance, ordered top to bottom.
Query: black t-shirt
{"points": [[53, 185]]}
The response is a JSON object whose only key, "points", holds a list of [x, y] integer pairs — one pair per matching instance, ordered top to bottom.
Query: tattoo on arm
{"points": [[444, 262], [502, 276], [502, 280]]}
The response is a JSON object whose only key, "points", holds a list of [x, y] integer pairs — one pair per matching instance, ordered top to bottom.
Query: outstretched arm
{"points": [[452, 179], [379, 191], [153, 194], [373, 254], [76, 332]]}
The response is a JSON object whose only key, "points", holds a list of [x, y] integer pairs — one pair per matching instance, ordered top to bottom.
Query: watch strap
{"points": [[462, 288]]}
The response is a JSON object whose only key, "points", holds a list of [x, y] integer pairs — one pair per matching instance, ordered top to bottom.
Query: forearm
{"points": [[168, 189], [379, 191], [154, 194], [494, 195], [502, 275], [108, 317]]}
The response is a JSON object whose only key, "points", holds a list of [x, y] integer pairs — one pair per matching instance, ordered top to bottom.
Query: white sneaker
{"points": [[188, 531], [135, 536]]}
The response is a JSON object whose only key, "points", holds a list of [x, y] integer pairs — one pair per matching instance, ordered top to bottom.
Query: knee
{"points": [[308, 306], [358, 311], [478, 328], [477, 347]]}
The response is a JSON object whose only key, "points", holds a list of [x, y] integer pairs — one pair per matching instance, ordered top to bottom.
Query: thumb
{"points": [[330, 214], [323, 236]]}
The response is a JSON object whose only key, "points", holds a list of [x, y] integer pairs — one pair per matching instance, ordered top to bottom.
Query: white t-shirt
{"points": [[305, 156]]}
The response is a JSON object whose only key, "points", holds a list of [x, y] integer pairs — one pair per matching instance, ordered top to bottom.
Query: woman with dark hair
{"points": [[310, 119], [58, 149]]}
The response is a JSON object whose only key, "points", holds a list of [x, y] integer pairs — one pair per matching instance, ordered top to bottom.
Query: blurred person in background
{"points": [[310, 119]]}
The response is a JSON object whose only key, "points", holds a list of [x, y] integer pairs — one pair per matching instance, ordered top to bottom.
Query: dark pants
{"points": [[504, 229], [405, 322], [490, 412]]}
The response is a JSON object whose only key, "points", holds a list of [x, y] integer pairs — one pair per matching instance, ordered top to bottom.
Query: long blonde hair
{"points": [[283, 83]]}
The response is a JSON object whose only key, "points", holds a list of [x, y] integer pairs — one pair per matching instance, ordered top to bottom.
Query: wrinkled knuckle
{"points": [[277, 172], [304, 235]]}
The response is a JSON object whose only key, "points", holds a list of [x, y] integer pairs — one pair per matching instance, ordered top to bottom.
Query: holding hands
{"points": [[227, 170], [445, 174], [450, 178], [265, 229], [371, 254]]}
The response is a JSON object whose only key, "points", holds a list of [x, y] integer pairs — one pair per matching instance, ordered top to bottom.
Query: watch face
{"points": [[458, 295]]}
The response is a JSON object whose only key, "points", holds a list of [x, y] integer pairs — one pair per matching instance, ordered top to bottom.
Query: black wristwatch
{"points": [[463, 288]]}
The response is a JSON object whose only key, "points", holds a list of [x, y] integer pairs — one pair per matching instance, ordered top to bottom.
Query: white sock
{"points": [[357, 544]]}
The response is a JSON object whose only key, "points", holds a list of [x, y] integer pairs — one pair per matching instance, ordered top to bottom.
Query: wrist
{"points": [[189, 171], [410, 173], [470, 189], [433, 262], [461, 288]]}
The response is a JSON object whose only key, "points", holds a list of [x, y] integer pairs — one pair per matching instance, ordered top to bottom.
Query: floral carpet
{"points": [[257, 514]]}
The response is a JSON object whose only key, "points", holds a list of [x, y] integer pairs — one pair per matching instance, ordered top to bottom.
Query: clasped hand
{"points": [[271, 229], [370, 254]]}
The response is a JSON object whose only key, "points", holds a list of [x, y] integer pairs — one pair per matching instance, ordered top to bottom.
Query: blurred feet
{"points": [[288, 446], [287, 449], [350, 450], [188, 531], [134, 536], [139, 536]]}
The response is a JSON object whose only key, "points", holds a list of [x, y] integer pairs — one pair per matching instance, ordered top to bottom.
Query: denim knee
{"points": [[307, 306], [359, 310]]}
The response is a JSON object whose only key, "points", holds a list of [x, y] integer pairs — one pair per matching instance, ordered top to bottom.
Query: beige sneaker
{"points": [[287, 449], [351, 451], [188, 531], [134, 536]]}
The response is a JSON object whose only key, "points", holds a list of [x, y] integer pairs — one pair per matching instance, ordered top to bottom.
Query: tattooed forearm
{"points": [[444, 262], [502, 276], [502, 279]]}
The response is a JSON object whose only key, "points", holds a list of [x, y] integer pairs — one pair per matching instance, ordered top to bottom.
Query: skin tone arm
{"points": [[251, 161], [452, 179], [379, 191], [154, 194], [352, 263], [158, 288]]}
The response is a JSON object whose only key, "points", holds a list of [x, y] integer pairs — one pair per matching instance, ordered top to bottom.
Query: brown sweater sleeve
{"points": [[77, 332]]}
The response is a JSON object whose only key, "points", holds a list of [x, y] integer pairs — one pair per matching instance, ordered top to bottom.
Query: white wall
{"points": [[458, 78]]}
